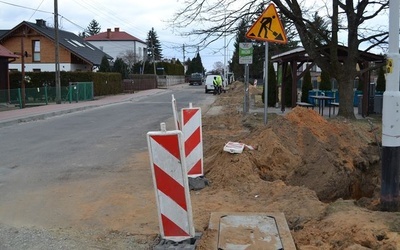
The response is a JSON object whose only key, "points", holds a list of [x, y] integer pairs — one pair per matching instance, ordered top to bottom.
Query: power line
{"points": [[28, 8], [98, 9], [36, 10], [109, 14]]}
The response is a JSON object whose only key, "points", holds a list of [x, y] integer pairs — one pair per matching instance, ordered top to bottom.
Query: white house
{"points": [[118, 44]]}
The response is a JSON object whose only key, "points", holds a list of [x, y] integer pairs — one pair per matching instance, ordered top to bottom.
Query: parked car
{"points": [[196, 79], [209, 85]]}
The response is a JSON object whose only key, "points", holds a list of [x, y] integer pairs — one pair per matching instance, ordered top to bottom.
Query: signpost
{"points": [[268, 27], [245, 53], [246, 57], [390, 186]]}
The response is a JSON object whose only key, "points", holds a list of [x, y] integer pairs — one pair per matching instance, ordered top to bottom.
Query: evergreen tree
{"points": [[93, 28], [318, 30], [153, 46], [178, 62], [187, 63], [104, 65], [195, 65], [121, 67], [178, 68], [237, 68], [256, 69], [381, 81], [325, 83], [272, 84], [360, 84], [307, 86], [288, 87]]}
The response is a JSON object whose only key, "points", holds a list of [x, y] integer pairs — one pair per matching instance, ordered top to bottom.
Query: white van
{"points": [[209, 86]]}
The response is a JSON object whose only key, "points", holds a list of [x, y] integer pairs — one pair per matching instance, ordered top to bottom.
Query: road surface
{"points": [[86, 172]]}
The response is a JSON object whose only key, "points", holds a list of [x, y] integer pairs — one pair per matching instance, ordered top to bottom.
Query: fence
{"points": [[166, 81], [140, 82], [143, 82], [81, 91]]}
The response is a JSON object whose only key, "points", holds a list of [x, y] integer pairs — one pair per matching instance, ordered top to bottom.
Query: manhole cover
{"points": [[237, 232]]}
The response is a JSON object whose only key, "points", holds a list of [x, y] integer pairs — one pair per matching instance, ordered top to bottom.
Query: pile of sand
{"points": [[323, 174]]}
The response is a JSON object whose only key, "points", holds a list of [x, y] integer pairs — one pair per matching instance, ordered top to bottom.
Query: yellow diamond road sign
{"points": [[268, 27]]}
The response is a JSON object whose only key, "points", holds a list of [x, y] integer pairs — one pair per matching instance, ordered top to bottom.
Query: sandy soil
{"points": [[324, 175]]}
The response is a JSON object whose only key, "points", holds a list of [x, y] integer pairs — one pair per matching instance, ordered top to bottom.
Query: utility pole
{"points": [[183, 49], [57, 56], [154, 61], [266, 65], [225, 66], [23, 69], [390, 181]]}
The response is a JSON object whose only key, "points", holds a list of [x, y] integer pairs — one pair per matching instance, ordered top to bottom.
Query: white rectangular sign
{"points": [[245, 53]]}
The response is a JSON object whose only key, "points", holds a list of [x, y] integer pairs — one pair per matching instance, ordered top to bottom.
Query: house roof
{"points": [[2, 32], [115, 35], [68, 40], [6, 53]]}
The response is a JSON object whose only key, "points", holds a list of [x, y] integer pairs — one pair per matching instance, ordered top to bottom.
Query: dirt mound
{"points": [[304, 149], [324, 175]]}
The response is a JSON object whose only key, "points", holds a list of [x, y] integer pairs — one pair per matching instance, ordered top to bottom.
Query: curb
{"points": [[44, 116]]}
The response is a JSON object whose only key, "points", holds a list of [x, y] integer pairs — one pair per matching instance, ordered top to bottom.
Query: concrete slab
{"points": [[235, 231]]}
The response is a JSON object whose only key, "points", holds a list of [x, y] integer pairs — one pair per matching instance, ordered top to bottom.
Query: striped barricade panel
{"points": [[175, 113], [192, 136], [171, 185]]}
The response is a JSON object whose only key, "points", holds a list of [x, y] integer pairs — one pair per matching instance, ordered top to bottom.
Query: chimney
{"points": [[41, 22], [116, 29], [108, 33]]}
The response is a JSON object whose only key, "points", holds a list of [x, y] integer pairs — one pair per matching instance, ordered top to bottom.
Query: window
{"points": [[36, 50]]}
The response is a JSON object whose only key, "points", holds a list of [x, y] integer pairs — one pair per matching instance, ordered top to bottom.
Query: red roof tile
{"points": [[113, 35], [6, 53]]}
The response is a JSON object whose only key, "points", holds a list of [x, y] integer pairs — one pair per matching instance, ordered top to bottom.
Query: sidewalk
{"points": [[15, 116]]}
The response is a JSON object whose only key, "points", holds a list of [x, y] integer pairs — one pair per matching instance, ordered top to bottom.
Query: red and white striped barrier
{"points": [[175, 112], [192, 135], [168, 165]]}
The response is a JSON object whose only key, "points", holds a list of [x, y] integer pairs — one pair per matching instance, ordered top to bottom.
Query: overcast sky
{"points": [[135, 17]]}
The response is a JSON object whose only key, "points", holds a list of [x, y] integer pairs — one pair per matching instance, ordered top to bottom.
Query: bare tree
{"points": [[348, 18], [130, 58], [218, 67]]}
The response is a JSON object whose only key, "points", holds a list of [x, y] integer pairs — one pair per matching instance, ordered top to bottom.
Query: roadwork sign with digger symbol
{"points": [[268, 27]]}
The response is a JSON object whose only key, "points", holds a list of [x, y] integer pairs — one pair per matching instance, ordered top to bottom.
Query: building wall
{"points": [[119, 48], [47, 49], [47, 54], [43, 67]]}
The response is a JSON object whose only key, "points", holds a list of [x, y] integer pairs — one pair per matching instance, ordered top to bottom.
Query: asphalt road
{"points": [[37, 157]]}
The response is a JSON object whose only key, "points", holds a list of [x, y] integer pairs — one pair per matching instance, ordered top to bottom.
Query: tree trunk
{"points": [[346, 94]]}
